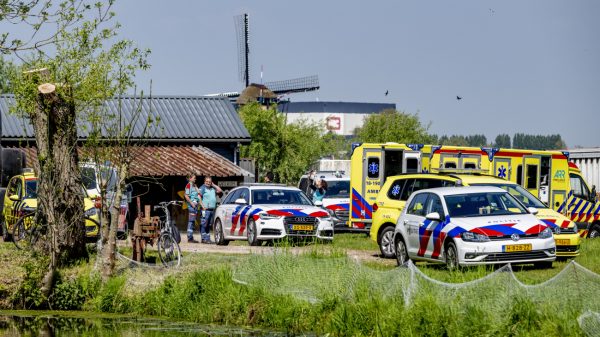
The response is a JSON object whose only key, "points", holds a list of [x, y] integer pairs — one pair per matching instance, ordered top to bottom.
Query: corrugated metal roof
{"points": [[337, 107], [201, 118], [585, 153], [157, 161]]}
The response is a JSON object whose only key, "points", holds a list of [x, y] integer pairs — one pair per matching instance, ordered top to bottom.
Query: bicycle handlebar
{"points": [[165, 204]]}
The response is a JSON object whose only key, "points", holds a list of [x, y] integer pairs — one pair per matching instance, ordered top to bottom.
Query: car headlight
{"points": [[91, 212], [267, 216], [575, 229], [546, 233], [474, 237]]}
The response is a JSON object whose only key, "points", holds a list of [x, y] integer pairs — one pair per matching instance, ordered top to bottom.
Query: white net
{"points": [[571, 295]]}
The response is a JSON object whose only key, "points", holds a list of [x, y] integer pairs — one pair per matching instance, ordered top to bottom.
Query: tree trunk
{"points": [[59, 191], [109, 253]]}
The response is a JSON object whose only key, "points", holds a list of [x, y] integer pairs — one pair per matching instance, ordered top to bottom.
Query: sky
{"points": [[519, 66]]}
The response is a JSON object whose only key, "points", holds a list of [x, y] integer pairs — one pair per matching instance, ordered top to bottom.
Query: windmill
{"points": [[273, 90]]}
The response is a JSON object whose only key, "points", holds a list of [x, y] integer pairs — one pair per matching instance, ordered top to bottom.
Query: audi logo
{"points": [[302, 219]]}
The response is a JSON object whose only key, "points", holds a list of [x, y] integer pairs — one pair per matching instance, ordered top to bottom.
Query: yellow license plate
{"points": [[302, 227], [563, 242], [517, 248]]}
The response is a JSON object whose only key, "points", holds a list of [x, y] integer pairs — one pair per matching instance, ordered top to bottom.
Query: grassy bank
{"points": [[321, 291]]}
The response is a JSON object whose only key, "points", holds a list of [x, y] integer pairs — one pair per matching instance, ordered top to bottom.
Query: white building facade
{"points": [[338, 117], [588, 161]]}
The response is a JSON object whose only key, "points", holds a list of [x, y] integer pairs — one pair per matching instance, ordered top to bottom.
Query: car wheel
{"points": [[594, 232], [252, 234], [219, 236], [386, 242], [401, 252], [451, 256], [543, 265]]}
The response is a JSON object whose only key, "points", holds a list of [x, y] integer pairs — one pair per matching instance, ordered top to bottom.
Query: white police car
{"points": [[260, 212], [469, 226]]}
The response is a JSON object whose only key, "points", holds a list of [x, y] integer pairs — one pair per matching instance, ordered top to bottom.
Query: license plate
{"points": [[302, 227], [563, 242], [517, 248]]}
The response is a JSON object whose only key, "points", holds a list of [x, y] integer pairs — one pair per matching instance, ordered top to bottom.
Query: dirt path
{"points": [[360, 255]]}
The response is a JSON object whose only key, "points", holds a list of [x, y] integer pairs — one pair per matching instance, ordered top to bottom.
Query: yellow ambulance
{"points": [[371, 164], [546, 174]]}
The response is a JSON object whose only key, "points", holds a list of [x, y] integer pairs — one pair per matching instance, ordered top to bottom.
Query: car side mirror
{"points": [[594, 194], [14, 197], [240, 201], [319, 203], [532, 210], [433, 216]]}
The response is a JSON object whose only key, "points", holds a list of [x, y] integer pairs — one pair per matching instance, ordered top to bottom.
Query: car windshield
{"points": [[107, 174], [30, 189], [338, 189], [519, 193], [279, 196], [483, 204]]}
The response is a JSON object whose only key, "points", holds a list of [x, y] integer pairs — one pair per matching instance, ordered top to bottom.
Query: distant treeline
{"points": [[519, 141]]}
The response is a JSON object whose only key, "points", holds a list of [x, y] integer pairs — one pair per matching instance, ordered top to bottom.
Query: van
{"points": [[337, 198]]}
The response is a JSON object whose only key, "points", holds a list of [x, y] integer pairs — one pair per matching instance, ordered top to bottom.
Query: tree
{"points": [[7, 70], [58, 88], [393, 126], [454, 140], [476, 140], [118, 141], [502, 141], [538, 142], [287, 150]]}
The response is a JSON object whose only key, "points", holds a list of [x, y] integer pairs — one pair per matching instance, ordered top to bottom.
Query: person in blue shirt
{"points": [[319, 190], [208, 196], [192, 198]]}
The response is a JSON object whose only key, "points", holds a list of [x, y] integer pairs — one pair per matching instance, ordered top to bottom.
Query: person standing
{"points": [[319, 190], [208, 197], [192, 198]]}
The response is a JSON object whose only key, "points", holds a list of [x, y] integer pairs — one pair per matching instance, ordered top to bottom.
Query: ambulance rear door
{"points": [[411, 162], [531, 173], [363, 198]]}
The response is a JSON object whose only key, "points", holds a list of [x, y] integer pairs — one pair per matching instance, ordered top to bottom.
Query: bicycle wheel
{"points": [[24, 231], [175, 233], [168, 250]]}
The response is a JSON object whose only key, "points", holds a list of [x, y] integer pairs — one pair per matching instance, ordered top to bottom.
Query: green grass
{"points": [[355, 242], [323, 291]]}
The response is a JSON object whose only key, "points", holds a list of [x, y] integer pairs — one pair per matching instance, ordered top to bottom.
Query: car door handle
{"points": [[406, 222]]}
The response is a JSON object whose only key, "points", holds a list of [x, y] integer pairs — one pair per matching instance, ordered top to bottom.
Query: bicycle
{"points": [[28, 229], [169, 251]]}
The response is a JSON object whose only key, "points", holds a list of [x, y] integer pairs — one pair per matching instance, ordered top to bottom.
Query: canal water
{"points": [[83, 324]]}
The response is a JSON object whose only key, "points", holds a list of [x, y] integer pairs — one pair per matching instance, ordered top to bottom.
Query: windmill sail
{"points": [[302, 84]]}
